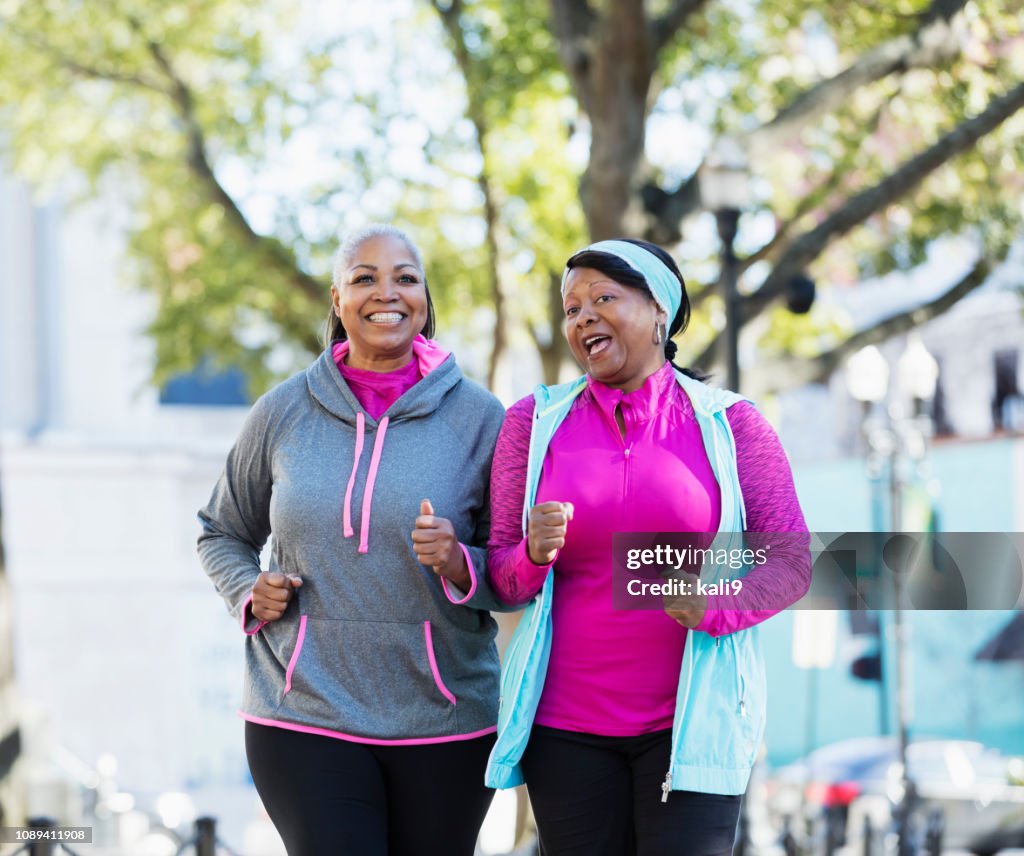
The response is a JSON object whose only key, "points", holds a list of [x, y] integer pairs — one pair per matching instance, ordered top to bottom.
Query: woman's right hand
{"points": [[545, 530], [271, 593]]}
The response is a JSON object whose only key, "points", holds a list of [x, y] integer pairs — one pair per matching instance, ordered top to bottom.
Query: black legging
{"points": [[328, 796], [601, 796]]}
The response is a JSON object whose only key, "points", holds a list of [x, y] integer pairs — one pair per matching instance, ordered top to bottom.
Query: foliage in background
{"points": [[244, 138]]}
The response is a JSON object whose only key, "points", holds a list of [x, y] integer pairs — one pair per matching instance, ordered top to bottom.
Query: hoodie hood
{"points": [[328, 388]]}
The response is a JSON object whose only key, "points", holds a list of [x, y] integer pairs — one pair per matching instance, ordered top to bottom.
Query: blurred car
{"points": [[829, 794]]}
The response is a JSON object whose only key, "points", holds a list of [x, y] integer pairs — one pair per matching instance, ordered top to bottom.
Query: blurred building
{"points": [[978, 343], [971, 479], [128, 665], [11, 786]]}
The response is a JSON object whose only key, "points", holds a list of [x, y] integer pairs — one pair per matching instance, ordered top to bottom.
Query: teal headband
{"points": [[664, 285]]}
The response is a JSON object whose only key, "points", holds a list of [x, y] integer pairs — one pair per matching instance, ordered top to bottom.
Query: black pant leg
{"points": [[581, 792], [325, 796], [436, 796], [689, 823]]}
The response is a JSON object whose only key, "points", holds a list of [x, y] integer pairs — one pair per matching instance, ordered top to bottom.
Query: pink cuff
{"points": [[529, 568], [531, 575], [472, 581], [247, 616], [722, 616]]}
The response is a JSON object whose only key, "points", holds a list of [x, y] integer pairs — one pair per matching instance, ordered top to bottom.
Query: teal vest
{"points": [[720, 703]]}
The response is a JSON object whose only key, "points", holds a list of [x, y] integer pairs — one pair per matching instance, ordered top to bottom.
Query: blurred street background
{"points": [[842, 184]]}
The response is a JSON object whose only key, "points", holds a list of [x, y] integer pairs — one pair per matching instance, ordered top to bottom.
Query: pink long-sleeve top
{"points": [[377, 391], [615, 672]]}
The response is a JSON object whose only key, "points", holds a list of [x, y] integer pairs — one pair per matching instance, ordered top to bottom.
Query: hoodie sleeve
{"points": [[236, 521], [515, 576], [481, 594]]}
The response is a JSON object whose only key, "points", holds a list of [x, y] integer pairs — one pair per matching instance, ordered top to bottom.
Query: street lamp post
{"points": [[725, 191], [728, 222], [867, 378], [896, 440]]}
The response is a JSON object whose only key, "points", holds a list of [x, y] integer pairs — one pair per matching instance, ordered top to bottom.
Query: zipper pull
{"points": [[666, 787]]}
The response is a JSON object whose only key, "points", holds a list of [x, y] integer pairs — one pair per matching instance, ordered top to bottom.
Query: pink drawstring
{"points": [[360, 421], [378, 447], [371, 477]]}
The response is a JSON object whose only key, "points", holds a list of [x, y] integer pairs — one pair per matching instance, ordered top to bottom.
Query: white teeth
{"points": [[385, 317], [595, 342]]}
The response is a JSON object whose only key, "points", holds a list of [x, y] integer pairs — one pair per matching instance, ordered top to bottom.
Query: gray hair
{"points": [[352, 243]]}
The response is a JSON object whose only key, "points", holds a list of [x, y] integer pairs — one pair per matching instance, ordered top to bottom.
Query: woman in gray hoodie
{"points": [[371, 675]]}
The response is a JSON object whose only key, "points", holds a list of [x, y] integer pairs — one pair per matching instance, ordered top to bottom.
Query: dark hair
{"points": [[620, 270], [334, 330]]}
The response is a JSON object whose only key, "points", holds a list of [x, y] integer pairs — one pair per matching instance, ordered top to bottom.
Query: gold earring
{"points": [[657, 333]]}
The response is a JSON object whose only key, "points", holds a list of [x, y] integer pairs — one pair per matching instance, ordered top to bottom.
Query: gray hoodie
{"points": [[372, 647]]}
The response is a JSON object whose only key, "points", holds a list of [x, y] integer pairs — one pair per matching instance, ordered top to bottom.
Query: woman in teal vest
{"points": [[634, 729]]}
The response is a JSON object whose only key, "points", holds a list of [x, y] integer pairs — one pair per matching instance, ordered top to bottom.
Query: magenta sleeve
{"points": [[769, 496], [513, 575]]}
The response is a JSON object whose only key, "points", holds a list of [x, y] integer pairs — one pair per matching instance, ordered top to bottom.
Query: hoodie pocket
{"points": [[296, 651], [432, 659], [371, 678]]}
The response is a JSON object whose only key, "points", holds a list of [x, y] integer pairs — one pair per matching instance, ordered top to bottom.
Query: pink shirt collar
{"points": [[429, 355], [657, 391]]}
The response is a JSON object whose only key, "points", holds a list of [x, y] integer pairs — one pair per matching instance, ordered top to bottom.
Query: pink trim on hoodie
{"points": [[376, 392], [360, 422], [371, 478], [472, 581], [246, 614], [295, 655], [447, 693], [372, 741]]}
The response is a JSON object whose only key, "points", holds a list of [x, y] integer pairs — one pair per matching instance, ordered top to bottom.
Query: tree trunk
{"points": [[611, 61], [618, 87], [477, 114], [554, 353]]}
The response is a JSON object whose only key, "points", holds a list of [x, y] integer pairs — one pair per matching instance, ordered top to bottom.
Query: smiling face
{"points": [[382, 303], [610, 328]]}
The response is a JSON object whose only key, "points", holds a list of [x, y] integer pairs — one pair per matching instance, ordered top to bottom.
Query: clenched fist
{"points": [[545, 530], [435, 545], [271, 594], [686, 609]]}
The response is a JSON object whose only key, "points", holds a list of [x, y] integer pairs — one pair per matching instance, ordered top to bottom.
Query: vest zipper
{"points": [[741, 685], [666, 786]]}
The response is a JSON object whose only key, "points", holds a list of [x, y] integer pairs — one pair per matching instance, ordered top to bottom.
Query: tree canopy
{"points": [[245, 138]]}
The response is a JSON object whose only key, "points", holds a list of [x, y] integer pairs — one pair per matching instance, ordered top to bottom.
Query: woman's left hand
{"points": [[435, 545], [687, 609]]}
